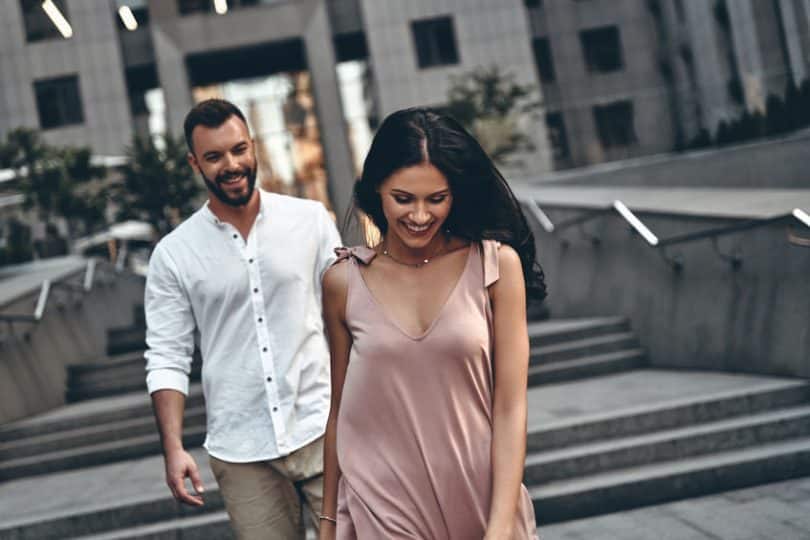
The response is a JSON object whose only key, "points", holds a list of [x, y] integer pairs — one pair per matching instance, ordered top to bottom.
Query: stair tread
{"points": [[561, 326], [582, 342], [587, 360], [604, 398], [90, 408], [94, 429], [600, 447], [94, 448], [668, 468], [207, 519]]}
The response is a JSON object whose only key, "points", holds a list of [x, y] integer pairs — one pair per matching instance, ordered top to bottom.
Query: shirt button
{"points": [[234, 237], [250, 261], [255, 290], [260, 319], [264, 349], [269, 379], [275, 409]]}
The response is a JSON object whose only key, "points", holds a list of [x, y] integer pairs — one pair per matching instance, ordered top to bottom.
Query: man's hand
{"points": [[179, 465]]}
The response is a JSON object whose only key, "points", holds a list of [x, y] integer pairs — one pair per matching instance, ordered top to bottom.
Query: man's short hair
{"points": [[210, 113]]}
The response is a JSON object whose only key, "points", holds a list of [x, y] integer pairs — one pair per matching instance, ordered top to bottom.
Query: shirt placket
{"points": [[249, 251]]}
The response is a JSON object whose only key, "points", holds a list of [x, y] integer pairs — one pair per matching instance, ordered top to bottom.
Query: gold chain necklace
{"points": [[412, 265]]}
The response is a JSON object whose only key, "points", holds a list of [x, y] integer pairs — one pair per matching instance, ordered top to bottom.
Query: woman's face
{"points": [[416, 201]]}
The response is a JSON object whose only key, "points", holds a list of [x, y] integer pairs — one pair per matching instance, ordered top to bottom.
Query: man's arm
{"points": [[329, 240], [170, 340], [168, 406]]}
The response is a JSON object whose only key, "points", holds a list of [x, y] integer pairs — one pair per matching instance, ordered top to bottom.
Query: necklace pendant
{"points": [[426, 261]]}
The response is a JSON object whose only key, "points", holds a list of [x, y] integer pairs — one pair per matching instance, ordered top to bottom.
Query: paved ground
{"points": [[779, 511]]}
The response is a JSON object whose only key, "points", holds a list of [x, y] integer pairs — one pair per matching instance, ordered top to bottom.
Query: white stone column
{"points": [[793, 40], [746, 50], [321, 64]]}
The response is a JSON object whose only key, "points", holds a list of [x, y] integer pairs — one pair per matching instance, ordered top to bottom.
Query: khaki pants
{"points": [[268, 499]]}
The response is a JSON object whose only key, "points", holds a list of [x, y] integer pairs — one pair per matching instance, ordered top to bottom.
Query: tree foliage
{"points": [[491, 105], [56, 182], [157, 184]]}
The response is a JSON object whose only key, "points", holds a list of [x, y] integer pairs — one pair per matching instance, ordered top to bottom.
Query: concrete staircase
{"points": [[605, 434]]}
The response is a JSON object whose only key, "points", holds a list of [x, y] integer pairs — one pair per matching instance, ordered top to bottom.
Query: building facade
{"points": [[633, 77], [617, 78]]}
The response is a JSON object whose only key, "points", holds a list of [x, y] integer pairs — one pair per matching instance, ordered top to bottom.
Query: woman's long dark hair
{"points": [[483, 205]]}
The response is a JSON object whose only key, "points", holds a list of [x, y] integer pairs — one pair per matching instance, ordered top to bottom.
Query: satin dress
{"points": [[414, 431]]}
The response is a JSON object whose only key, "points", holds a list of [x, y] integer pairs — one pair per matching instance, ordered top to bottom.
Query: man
{"points": [[243, 275]]}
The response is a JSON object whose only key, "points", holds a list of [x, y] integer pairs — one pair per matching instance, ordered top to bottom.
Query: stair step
{"points": [[557, 331], [568, 350], [589, 366], [91, 413], [667, 414], [91, 435], [668, 445], [97, 454], [662, 482], [113, 517], [204, 527]]}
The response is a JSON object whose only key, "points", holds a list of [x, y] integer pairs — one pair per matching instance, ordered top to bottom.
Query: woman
{"points": [[429, 348]]}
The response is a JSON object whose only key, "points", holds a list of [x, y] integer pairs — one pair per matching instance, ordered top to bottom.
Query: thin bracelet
{"points": [[327, 518]]}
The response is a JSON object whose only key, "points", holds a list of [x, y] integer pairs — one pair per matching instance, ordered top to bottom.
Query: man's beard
{"points": [[215, 188]]}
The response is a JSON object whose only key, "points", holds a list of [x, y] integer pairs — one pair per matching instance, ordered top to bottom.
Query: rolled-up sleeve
{"points": [[170, 326]]}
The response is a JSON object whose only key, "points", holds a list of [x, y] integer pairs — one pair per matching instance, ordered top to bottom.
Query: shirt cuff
{"points": [[167, 379]]}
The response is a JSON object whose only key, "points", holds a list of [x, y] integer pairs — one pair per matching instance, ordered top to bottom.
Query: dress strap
{"points": [[361, 253], [490, 255]]}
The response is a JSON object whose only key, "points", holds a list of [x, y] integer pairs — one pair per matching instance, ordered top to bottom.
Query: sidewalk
{"points": [[779, 511]]}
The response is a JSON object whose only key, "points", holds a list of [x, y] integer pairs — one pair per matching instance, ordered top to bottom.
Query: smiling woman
{"points": [[432, 421]]}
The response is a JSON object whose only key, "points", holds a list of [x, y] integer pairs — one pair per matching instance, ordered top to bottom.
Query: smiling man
{"points": [[243, 276]]}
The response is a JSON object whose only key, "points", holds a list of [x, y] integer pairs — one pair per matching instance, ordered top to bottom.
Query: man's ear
{"points": [[193, 162]]}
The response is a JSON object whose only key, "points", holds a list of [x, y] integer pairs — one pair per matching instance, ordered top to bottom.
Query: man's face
{"points": [[225, 158]]}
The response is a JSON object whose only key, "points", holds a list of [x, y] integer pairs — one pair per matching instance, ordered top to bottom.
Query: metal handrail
{"points": [[654, 241], [44, 295]]}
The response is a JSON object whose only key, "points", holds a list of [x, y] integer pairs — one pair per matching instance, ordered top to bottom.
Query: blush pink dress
{"points": [[414, 432]]}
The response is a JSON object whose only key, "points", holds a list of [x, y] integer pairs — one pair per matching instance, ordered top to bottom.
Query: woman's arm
{"points": [[335, 288], [511, 364]]}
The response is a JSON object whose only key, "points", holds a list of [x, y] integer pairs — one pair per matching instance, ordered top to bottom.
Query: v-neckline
{"points": [[393, 322]]}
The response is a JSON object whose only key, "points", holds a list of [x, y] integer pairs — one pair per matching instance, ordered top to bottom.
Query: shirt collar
{"points": [[264, 206]]}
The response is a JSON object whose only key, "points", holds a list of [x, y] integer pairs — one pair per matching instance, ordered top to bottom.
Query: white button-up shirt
{"points": [[255, 307]]}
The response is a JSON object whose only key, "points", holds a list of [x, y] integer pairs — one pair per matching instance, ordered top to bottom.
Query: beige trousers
{"points": [[269, 499]]}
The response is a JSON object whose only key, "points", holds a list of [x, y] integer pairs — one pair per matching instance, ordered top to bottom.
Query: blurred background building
{"points": [[618, 79]]}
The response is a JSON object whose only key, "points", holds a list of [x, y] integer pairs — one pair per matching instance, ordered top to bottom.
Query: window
{"points": [[533, 3], [193, 6], [37, 24], [435, 42], [602, 49], [542, 57], [58, 102], [614, 123], [555, 127]]}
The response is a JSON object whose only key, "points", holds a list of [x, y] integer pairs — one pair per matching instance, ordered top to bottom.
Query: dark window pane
{"points": [[533, 3], [193, 6], [38, 25], [435, 42], [351, 46], [602, 49], [543, 59], [58, 102], [614, 123], [557, 136]]}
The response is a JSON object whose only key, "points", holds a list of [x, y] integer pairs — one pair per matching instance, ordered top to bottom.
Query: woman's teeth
{"points": [[417, 228]]}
